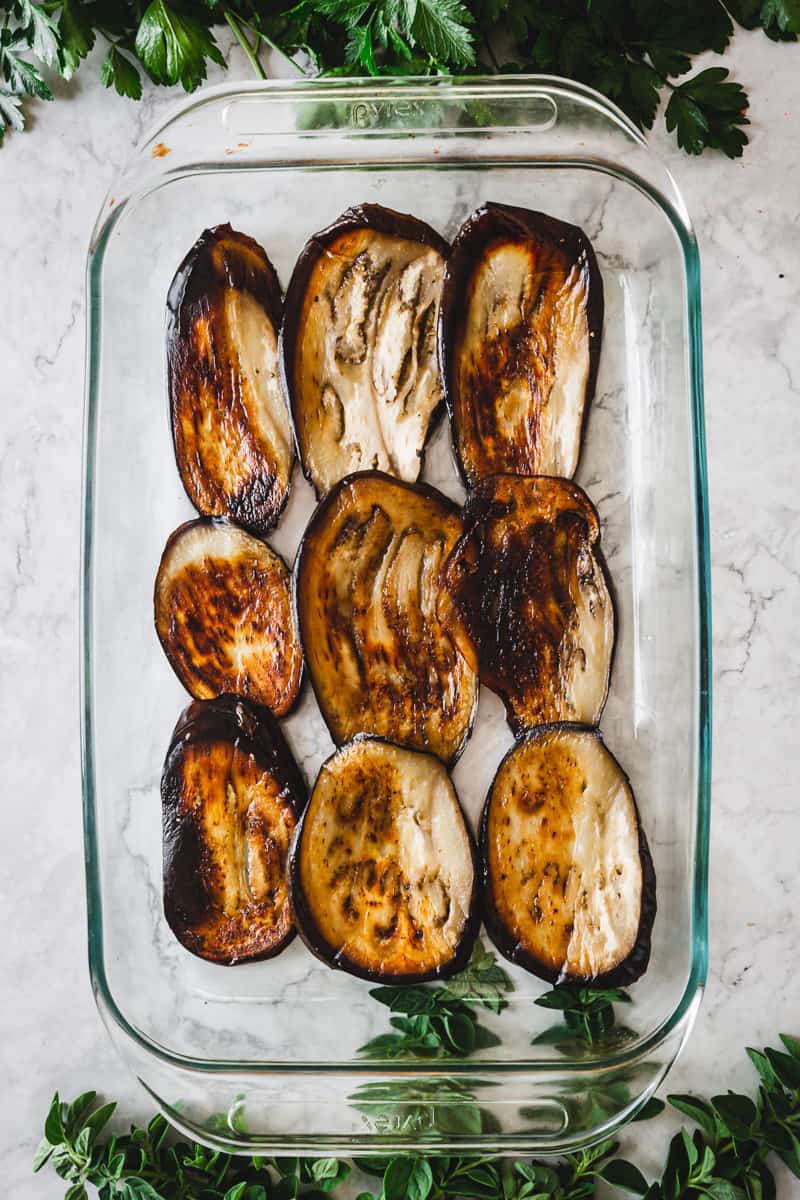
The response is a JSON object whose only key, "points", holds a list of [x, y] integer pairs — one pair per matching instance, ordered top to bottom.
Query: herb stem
{"points": [[243, 42], [273, 46], [492, 55], [632, 56]]}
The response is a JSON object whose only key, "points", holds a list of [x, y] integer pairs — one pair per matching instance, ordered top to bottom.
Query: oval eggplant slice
{"points": [[519, 340], [358, 345], [230, 425], [366, 586], [525, 594], [225, 617], [231, 795], [382, 873], [569, 889]]}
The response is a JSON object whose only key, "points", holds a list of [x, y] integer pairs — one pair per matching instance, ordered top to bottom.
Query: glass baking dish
{"points": [[263, 1057]]}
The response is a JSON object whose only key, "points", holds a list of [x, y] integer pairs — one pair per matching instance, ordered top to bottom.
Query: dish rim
{"points": [[145, 174]]}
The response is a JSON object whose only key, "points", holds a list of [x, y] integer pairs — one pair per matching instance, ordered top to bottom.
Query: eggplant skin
{"points": [[520, 328], [358, 349], [230, 426], [366, 587], [527, 599], [224, 615], [231, 794], [559, 794], [382, 868]]}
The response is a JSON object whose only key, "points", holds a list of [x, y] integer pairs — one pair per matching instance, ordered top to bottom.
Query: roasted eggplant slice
{"points": [[519, 337], [358, 345], [230, 425], [367, 581], [525, 594], [225, 617], [231, 795], [382, 869], [569, 890]]}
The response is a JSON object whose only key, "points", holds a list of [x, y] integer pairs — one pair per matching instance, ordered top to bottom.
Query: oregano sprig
{"points": [[588, 1012], [441, 1021], [726, 1157], [150, 1163]]}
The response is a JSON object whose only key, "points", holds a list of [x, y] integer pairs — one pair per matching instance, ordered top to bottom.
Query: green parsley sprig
{"points": [[634, 51]]}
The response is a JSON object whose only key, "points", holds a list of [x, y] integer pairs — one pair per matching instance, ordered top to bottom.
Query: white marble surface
{"points": [[747, 216]]}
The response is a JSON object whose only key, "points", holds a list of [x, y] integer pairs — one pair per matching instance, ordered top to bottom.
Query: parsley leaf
{"points": [[346, 12], [745, 12], [783, 15], [780, 19], [688, 25], [441, 28], [41, 31], [77, 37], [174, 46], [359, 48], [631, 50], [668, 61], [119, 72], [21, 75], [640, 93], [709, 110], [10, 112], [690, 122]]}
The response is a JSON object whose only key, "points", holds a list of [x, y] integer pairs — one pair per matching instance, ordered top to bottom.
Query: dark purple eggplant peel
{"points": [[519, 342], [358, 345], [230, 425], [366, 587], [525, 595], [225, 617], [231, 795], [382, 868], [568, 886]]}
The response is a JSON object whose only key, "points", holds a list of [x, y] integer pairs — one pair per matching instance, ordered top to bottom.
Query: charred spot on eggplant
{"points": [[519, 338], [358, 345], [230, 425], [367, 582], [525, 594], [225, 617], [231, 795], [382, 869], [569, 889]]}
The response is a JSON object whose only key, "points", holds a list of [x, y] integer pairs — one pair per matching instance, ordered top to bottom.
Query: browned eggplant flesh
{"points": [[520, 330], [358, 345], [230, 424], [367, 581], [525, 594], [225, 617], [231, 795], [382, 869], [568, 883]]}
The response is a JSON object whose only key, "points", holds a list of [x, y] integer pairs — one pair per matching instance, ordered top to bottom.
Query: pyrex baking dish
{"points": [[263, 1057]]}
